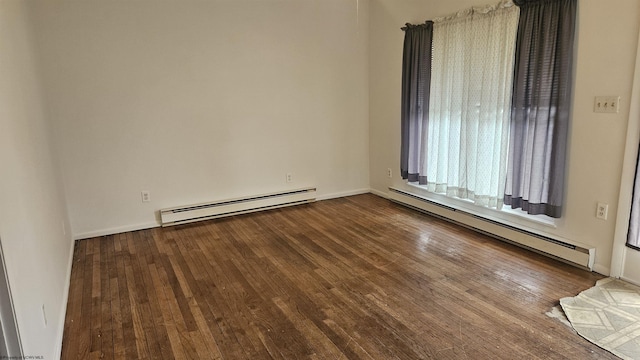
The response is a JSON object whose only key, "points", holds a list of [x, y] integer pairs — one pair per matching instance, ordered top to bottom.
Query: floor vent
{"points": [[217, 209], [581, 256]]}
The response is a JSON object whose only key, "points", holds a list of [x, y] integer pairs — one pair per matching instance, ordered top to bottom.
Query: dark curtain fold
{"points": [[416, 80], [542, 94], [633, 236]]}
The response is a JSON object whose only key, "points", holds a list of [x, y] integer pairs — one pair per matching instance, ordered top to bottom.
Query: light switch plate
{"points": [[606, 104]]}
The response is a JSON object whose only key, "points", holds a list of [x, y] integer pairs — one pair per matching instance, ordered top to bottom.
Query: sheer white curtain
{"points": [[466, 140]]}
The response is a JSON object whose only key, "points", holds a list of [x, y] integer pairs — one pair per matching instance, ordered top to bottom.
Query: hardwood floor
{"points": [[351, 278]]}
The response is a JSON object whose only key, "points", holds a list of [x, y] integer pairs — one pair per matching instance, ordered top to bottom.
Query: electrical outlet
{"points": [[606, 104], [389, 173], [289, 177], [146, 196], [602, 211]]}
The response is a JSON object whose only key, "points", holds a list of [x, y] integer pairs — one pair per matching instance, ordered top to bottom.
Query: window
{"points": [[474, 124]]}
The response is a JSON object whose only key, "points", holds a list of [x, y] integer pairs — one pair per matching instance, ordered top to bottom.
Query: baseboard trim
{"points": [[343, 194], [382, 194], [150, 225], [116, 230], [603, 270], [630, 281], [65, 300]]}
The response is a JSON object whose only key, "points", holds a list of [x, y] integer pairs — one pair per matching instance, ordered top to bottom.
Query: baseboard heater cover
{"points": [[205, 211], [576, 255]]}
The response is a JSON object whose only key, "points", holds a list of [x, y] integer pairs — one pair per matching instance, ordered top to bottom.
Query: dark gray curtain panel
{"points": [[416, 80], [542, 94], [633, 237]]}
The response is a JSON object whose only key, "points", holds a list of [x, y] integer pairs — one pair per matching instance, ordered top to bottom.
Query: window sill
{"points": [[506, 215]]}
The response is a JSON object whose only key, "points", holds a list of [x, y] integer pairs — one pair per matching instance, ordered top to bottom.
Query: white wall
{"points": [[606, 49], [202, 100], [195, 101], [32, 211]]}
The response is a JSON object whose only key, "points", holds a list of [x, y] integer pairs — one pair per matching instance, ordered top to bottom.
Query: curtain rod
{"points": [[412, 26]]}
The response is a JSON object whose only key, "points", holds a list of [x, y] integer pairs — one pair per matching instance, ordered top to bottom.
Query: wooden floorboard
{"points": [[351, 278]]}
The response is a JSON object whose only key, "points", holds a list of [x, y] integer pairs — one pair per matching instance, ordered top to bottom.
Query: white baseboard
{"points": [[343, 194], [382, 194], [149, 225], [116, 230], [601, 269], [631, 281], [65, 300]]}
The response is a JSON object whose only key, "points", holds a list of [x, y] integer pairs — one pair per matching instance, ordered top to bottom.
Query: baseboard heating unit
{"points": [[222, 208], [580, 256]]}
